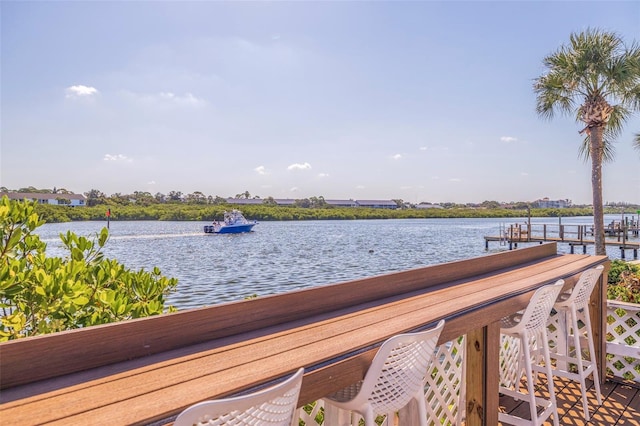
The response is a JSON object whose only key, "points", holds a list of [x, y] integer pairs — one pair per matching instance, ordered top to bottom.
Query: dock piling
{"points": [[572, 234]]}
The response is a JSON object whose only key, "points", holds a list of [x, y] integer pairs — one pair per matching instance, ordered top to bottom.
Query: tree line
{"points": [[95, 197], [265, 212]]}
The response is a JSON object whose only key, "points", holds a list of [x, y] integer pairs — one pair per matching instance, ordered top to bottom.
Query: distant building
{"points": [[73, 200], [245, 201], [285, 201], [341, 203], [546, 203], [374, 204], [377, 204], [429, 206]]}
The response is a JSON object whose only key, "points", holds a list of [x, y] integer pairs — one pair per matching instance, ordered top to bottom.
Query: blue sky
{"points": [[423, 101]]}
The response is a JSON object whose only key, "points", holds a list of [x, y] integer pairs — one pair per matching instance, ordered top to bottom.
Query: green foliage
{"points": [[267, 211], [618, 268], [624, 282], [41, 294]]}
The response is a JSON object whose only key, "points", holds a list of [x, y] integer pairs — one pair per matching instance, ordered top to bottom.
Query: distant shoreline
{"points": [[209, 212]]}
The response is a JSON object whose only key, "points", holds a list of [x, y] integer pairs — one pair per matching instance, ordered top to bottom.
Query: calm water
{"points": [[283, 256]]}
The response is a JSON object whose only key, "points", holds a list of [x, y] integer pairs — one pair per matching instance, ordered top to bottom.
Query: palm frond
{"points": [[596, 77], [618, 117], [608, 149]]}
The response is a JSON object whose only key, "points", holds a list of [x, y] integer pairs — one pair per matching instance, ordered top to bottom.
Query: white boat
{"points": [[234, 223]]}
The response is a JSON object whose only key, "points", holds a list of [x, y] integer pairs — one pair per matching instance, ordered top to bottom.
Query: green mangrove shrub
{"points": [[266, 212], [624, 282], [40, 294]]}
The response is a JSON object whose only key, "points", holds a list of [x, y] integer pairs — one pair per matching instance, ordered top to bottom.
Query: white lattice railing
{"points": [[623, 340], [444, 390]]}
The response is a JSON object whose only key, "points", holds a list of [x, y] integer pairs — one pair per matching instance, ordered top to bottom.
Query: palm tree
{"points": [[597, 78]]}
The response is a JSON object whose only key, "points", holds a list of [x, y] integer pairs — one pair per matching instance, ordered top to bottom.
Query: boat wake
{"points": [[133, 237]]}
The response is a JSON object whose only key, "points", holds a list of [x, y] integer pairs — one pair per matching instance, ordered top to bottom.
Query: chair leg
{"points": [[562, 345], [592, 354], [578, 357], [550, 384], [533, 407], [422, 409], [369, 418]]}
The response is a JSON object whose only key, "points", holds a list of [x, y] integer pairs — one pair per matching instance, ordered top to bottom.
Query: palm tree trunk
{"points": [[596, 188]]}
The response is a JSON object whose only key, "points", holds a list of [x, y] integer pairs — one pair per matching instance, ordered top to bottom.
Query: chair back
{"points": [[582, 290], [539, 308], [398, 369], [276, 405]]}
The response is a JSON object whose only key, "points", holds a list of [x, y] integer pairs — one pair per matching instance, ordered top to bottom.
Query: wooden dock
{"points": [[573, 235]]}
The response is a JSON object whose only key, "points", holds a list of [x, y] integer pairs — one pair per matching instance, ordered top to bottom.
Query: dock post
{"points": [[528, 223], [580, 232], [622, 252]]}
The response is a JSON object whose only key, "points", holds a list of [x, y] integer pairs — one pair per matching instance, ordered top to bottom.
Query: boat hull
{"points": [[233, 223], [230, 229]]}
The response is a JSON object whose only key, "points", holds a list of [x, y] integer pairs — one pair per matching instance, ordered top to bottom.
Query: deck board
{"points": [[620, 404]]}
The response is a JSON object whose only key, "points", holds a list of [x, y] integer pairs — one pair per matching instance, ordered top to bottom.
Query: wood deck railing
{"points": [[148, 370]]}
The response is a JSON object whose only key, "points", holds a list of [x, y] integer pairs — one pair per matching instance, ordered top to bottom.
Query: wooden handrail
{"points": [[22, 360], [147, 370]]}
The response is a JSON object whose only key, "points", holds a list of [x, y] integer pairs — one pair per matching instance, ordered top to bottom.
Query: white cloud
{"points": [[79, 91], [167, 98], [187, 98], [508, 139], [423, 148], [117, 157], [397, 157], [298, 166], [261, 170], [524, 174], [323, 175], [455, 180], [152, 182], [359, 186], [294, 189]]}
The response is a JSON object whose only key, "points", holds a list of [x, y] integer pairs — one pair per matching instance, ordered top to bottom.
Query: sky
{"points": [[423, 101]]}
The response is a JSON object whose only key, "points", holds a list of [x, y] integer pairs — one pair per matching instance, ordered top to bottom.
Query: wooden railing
{"points": [[148, 370]]}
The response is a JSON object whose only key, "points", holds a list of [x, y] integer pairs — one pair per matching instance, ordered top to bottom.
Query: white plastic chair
{"points": [[572, 307], [523, 328], [395, 378], [272, 406]]}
